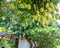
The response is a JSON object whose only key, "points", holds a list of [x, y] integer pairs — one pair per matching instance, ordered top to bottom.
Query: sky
{"points": [[58, 7]]}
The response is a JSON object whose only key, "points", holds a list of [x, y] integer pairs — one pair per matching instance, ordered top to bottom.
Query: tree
{"points": [[30, 17]]}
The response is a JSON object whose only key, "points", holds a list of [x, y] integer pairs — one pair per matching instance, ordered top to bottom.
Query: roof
{"points": [[4, 34]]}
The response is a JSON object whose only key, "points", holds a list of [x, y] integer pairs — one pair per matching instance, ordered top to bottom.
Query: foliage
{"points": [[30, 17], [7, 43]]}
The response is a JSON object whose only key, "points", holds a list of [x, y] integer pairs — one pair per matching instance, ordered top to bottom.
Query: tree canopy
{"points": [[34, 18]]}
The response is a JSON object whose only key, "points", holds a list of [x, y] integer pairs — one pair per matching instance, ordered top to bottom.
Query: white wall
{"points": [[23, 43]]}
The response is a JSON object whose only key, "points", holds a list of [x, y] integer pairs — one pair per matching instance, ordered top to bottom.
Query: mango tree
{"points": [[34, 18]]}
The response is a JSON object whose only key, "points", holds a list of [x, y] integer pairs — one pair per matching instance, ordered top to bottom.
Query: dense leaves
{"points": [[34, 18]]}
